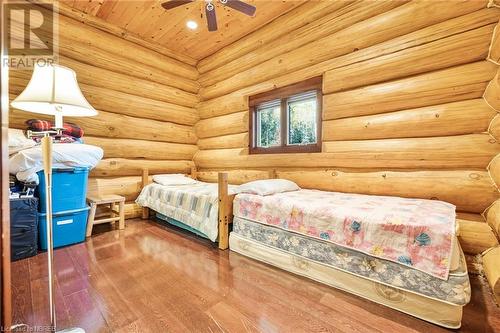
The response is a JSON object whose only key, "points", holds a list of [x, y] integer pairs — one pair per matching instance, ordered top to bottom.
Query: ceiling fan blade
{"points": [[175, 3], [241, 6], [211, 18]]}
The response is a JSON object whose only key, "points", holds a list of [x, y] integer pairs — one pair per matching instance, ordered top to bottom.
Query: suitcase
{"points": [[23, 227]]}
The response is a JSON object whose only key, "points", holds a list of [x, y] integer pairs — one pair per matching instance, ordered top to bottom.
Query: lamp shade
{"points": [[53, 90]]}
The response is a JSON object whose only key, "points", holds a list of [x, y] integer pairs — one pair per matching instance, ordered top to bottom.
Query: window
{"points": [[287, 120]]}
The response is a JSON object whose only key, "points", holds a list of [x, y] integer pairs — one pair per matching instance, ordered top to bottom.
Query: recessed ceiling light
{"points": [[191, 24]]}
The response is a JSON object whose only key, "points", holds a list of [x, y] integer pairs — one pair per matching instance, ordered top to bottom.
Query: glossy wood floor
{"points": [[150, 278]]}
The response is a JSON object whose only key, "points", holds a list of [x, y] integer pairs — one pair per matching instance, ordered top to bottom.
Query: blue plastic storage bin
{"points": [[69, 189], [68, 227]]}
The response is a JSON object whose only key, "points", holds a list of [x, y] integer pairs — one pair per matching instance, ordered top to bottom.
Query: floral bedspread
{"points": [[413, 232]]}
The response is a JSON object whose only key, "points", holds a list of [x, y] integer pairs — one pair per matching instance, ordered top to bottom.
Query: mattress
{"points": [[26, 163], [195, 205], [413, 232], [455, 291], [432, 310]]}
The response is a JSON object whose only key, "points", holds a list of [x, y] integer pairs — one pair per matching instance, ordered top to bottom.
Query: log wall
{"points": [[146, 103], [403, 106]]}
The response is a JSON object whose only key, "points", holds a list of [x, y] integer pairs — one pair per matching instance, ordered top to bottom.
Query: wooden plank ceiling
{"points": [[150, 21]]}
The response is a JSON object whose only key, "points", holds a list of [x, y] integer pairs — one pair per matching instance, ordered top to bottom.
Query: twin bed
{"points": [[202, 208], [402, 253]]}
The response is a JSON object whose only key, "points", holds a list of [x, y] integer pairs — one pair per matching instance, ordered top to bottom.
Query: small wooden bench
{"points": [[111, 214]]}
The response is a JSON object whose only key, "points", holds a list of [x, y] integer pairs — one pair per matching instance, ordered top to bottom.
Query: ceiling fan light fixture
{"points": [[238, 5], [192, 24]]}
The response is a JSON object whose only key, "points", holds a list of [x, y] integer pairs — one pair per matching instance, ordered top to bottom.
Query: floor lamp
{"points": [[53, 90]]}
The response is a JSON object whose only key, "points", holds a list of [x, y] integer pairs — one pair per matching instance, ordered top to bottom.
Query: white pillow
{"points": [[18, 139], [173, 179], [268, 187]]}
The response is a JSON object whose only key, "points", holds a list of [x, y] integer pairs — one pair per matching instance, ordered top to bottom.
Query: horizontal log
{"points": [[338, 17], [294, 19], [397, 22], [102, 25], [455, 50], [120, 64], [127, 83], [444, 86], [492, 92], [119, 102], [223, 105], [465, 117], [114, 125], [223, 125], [239, 140], [153, 150], [463, 151], [466, 151], [113, 167], [235, 177], [128, 187], [470, 191], [132, 210], [493, 217], [475, 237], [492, 270]]}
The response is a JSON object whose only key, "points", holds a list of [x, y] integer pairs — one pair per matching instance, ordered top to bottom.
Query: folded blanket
{"points": [[70, 129], [28, 162]]}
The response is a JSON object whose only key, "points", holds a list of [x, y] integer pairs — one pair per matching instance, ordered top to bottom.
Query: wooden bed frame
{"points": [[225, 205]]}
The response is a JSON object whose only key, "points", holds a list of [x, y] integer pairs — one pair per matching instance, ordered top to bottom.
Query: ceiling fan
{"points": [[210, 9]]}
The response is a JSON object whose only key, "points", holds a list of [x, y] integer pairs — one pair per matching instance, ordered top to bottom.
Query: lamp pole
{"points": [[47, 166]]}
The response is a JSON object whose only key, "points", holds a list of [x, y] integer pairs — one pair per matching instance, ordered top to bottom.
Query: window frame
{"points": [[283, 94]]}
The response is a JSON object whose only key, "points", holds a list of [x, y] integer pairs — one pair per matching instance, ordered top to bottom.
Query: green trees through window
{"points": [[287, 119], [302, 121], [269, 129]]}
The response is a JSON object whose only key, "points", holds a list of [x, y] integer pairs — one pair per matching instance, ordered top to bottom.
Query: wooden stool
{"points": [[113, 215]]}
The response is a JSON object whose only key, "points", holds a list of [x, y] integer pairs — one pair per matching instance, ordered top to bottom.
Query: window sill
{"points": [[286, 150]]}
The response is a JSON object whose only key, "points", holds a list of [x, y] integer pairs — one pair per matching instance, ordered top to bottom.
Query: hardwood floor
{"points": [[149, 278]]}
